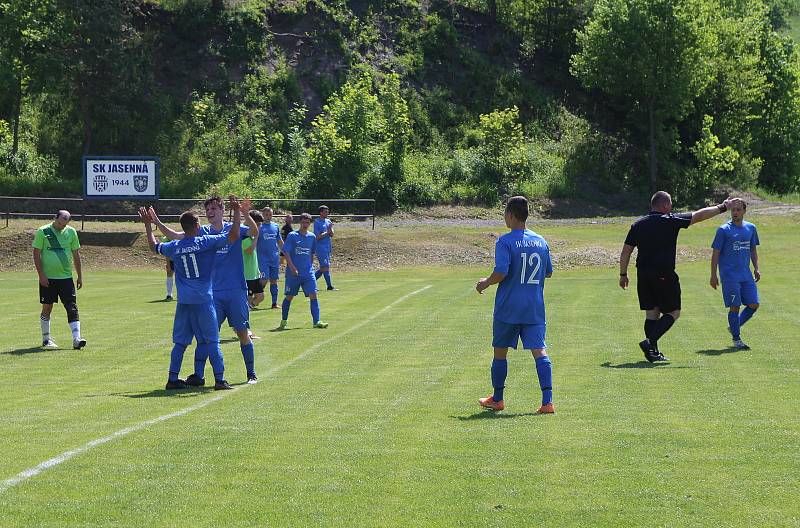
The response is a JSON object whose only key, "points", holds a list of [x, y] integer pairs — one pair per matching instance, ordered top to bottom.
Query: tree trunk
{"points": [[492, 8], [17, 113], [86, 115], [653, 159]]}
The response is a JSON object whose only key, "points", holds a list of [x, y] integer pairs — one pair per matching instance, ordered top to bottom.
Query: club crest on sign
{"points": [[100, 182], [140, 182]]}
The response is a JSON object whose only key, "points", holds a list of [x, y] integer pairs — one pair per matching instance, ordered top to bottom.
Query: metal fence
{"points": [[171, 208]]}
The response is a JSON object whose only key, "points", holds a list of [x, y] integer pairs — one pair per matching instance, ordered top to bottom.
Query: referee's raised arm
{"points": [[712, 211]]}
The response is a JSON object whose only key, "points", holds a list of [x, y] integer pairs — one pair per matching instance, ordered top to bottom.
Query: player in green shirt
{"points": [[55, 249], [255, 289]]}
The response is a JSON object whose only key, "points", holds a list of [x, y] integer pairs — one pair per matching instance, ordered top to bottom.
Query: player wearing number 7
{"points": [[734, 247], [522, 263], [195, 316]]}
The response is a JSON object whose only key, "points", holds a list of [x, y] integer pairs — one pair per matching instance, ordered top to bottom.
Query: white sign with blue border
{"points": [[130, 177]]}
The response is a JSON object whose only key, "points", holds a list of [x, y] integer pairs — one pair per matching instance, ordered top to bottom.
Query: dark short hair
{"points": [[660, 198], [214, 199], [744, 204], [518, 207], [323, 208], [60, 212], [256, 215], [305, 216], [189, 220]]}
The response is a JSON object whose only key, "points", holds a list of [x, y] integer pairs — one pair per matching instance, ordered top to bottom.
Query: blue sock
{"points": [[317, 274], [327, 275], [273, 290], [285, 309], [315, 310], [747, 313], [733, 322], [214, 354], [249, 355], [175, 360], [544, 370], [499, 373]]}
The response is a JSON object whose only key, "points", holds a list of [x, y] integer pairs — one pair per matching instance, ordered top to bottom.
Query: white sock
{"points": [[170, 281], [45, 323], [75, 326]]}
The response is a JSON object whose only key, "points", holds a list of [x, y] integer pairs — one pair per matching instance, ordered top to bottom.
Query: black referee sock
{"points": [[649, 326], [661, 326]]}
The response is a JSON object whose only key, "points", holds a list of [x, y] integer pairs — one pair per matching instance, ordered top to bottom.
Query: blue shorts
{"points": [[323, 257], [270, 272], [295, 282], [737, 293], [232, 305], [197, 321], [507, 335]]}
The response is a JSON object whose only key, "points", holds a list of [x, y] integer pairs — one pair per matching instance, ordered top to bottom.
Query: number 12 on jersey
{"points": [[534, 260]]}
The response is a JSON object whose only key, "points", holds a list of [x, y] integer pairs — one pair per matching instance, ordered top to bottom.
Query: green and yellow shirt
{"points": [[56, 248]]}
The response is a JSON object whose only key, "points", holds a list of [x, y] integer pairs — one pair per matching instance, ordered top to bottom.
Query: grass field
{"points": [[374, 421]]}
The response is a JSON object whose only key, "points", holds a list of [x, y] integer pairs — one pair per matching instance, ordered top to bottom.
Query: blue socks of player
{"points": [[317, 274], [327, 275], [273, 290], [285, 309], [315, 310], [747, 313], [734, 324], [248, 353], [214, 355], [175, 360], [544, 370], [499, 373]]}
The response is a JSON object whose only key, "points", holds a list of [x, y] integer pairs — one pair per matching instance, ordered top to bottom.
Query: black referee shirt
{"points": [[656, 236]]}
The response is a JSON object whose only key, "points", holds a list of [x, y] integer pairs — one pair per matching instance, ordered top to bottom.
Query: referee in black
{"points": [[657, 284]]}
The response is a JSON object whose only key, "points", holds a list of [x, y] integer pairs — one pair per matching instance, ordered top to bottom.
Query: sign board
{"points": [[116, 177]]}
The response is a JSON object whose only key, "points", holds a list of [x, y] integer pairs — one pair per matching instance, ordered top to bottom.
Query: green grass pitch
{"points": [[374, 421]]}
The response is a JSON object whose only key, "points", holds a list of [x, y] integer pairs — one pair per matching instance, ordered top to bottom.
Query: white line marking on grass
{"points": [[63, 457]]}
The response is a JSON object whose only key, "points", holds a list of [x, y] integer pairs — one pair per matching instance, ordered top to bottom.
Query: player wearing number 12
{"points": [[522, 263]]}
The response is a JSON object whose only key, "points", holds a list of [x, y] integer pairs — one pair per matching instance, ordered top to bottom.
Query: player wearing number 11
{"points": [[522, 263], [195, 316]]}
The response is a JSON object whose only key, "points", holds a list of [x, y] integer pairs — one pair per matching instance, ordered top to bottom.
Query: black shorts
{"points": [[255, 286], [59, 288], [658, 289]]}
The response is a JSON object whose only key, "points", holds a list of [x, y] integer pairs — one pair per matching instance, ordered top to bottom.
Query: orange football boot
{"points": [[489, 403], [546, 409]]}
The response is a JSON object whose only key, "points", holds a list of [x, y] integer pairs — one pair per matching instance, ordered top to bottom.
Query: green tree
{"points": [[27, 30], [651, 57]]}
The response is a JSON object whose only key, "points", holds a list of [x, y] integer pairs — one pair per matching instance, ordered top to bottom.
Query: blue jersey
{"points": [[320, 226], [735, 244], [267, 248], [301, 250], [524, 258], [194, 265], [228, 265]]}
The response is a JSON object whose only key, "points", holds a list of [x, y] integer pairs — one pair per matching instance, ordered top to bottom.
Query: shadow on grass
{"points": [[159, 301], [283, 329], [32, 350], [717, 351], [641, 365], [163, 393], [491, 415]]}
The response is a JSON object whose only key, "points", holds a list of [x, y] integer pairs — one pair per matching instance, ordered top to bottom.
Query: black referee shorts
{"points": [[255, 286], [59, 288], [658, 289]]}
